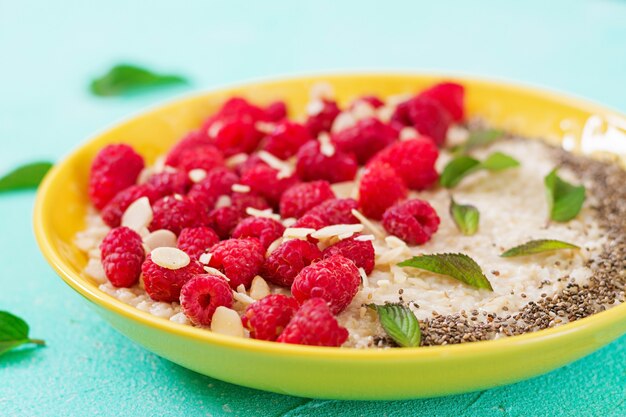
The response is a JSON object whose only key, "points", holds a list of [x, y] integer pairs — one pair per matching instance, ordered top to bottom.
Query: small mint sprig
{"points": [[124, 78], [461, 166], [25, 176], [564, 199], [465, 216], [537, 246], [455, 265], [399, 323], [14, 332]]}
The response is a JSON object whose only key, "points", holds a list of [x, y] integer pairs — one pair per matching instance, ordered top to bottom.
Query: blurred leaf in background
{"points": [[125, 78]]}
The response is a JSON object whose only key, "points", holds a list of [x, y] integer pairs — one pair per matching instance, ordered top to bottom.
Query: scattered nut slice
{"points": [[197, 175], [240, 188], [138, 215], [336, 230], [297, 232], [161, 238], [170, 258], [259, 288], [227, 321]]}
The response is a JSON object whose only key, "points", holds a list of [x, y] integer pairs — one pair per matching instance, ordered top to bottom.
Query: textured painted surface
{"points": [[50, 51]]}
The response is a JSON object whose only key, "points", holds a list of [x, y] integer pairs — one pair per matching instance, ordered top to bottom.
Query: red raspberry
{"points": [[450, 96], [373, 101], [240, 108], [276, 111], [426, 115], [323, 120], [233, 136], [286, 139], [364, 139], [191, 141], [205, 157], [414, 160], [252, 161], [312, 164], [114, 168], [264, 181], [169, 182], [217, 183], [380, 188], [300, 198], [241, 201], [113, 211], [335, 211], [175, 214], [224, 219], [413, 221], [265, 229], [197, 240], [359, 252], [122, 255], [239, 259], [284, 263], [335, 279], [164, 284], [202, 295], [266, 318], [314, 325]]}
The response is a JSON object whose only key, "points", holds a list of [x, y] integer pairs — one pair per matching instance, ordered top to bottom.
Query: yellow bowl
{"points": [[315, 371]]}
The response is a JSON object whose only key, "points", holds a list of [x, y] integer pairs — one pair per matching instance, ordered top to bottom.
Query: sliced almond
{"points": [[344, 120], [408, 133], [326, 146], [236, 159], [197, 175], [240, 188], [343, 189], [223, 201], [251, 211], [138, 215], [289, 221], [336, 230], [376, 231], [297, 232], [161, 238], [365, 238], [395, 242], [273, 246], [170, 258], [205, 258], [95, 270], [214, 271], [364, 279], [259, 288], [243, 298], [227, 321]]}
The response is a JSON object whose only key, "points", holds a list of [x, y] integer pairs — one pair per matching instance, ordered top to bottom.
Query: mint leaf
{"points": [[124, 78], [478, 139], [461, 166], [25, 176], [564, 199], [466, 217], [537, 246], [455, 265], [399, 323], [14, 332]]}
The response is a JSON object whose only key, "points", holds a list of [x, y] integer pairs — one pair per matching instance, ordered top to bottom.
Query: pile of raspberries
{"points": [[322, 282]]}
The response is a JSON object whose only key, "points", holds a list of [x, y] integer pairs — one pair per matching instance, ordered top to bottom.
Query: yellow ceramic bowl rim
{"points": [[43, 234]]}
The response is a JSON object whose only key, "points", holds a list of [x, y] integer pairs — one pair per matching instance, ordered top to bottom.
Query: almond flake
{"points": [[322, 90], [314, 107], [362, 110], [344, 120], [265, 127], [215, 128], [408, 133], [326, 146], [236, 159], [274, 162], [144, 175], [197, 175], [240, 188], [343, 189], [178, 197], [223, 201], [251, 211], [138, 215], [289, 221], [336, 230], [376, 231], [297, 232], [346, 235], [365, 238], [159, 239], [395, 242], [273, 246], [391, 256], [170, 258], [205, 258], [95, 270], [214, 271], [399, 276], [364, 279], [383, 283], [241, 288], [259, 288], [243, 298], [226, 321]]}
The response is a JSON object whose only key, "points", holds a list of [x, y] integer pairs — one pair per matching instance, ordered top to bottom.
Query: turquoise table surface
{"points": [[50, 50]]}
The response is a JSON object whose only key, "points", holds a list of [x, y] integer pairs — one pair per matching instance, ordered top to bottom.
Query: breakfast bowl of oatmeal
{"points": [[352, 236]]}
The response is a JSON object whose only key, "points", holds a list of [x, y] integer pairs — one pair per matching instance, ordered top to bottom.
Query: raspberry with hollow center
{"points": [[450, 95], [426, 115], [323, 120], [366, 138], [286, 139], [191, 141], [204, 157], [414, 160], [312, 164], [115, 168], [265, 181], [169, 182], [218, 182], [380, 188], [300, 198], [241, 201], [113, 211], [334, 211], [175, 214], [223, 220], [413, 221], [265, 229], [197, 240], [358, 251], [122, 255], [239, 259], [286, 261], [335, 279], [164, 284], [202, 295], [266, 318], [314, 325]]}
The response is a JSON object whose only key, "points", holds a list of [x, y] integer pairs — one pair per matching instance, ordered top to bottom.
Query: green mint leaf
{"points": [[124, 78], [478, 139], [461, 166], [25, 176], [564, 199], [465, 216], [537, 246], [455, 265], [399, 323], [14, 332]]}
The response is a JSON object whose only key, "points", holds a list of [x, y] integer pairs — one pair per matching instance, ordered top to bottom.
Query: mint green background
{"points": [[50, 50]]}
